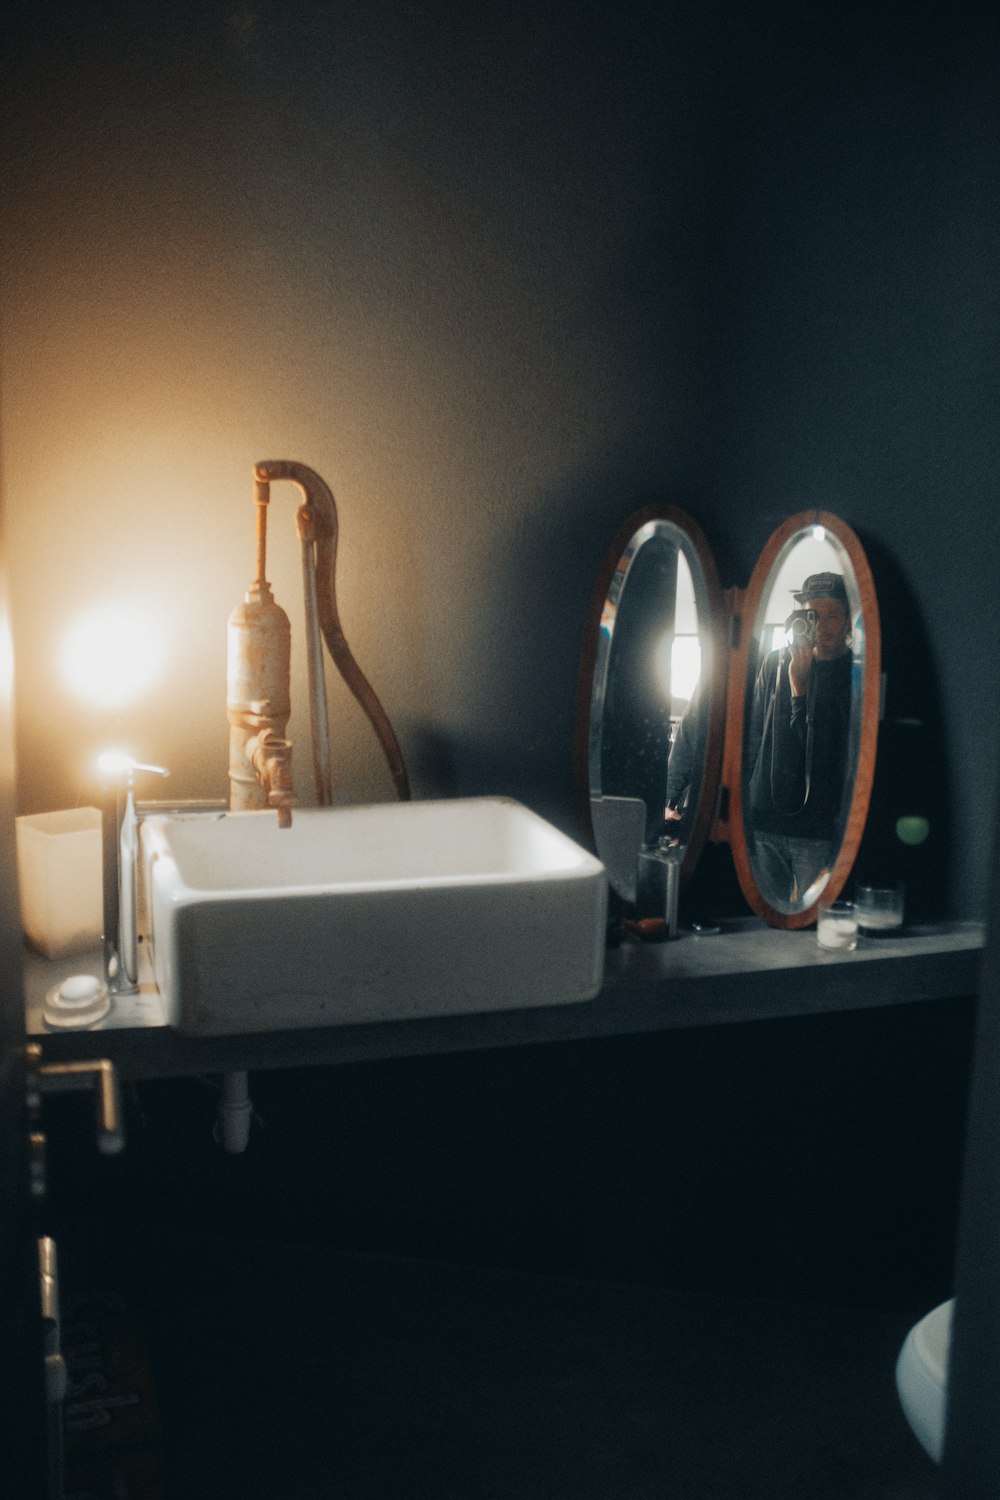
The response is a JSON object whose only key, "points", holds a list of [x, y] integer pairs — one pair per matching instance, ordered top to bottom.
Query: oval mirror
{"points": [[651, 698], [804, 709]]}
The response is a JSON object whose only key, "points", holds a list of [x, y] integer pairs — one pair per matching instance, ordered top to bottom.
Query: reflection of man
{"points": [[797, 747], [684, 763]]}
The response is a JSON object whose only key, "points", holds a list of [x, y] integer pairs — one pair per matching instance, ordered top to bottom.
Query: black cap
{"points": [[822, 586]]}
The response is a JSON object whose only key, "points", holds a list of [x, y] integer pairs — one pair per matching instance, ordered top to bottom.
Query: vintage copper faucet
{"points": [[258, 696]]}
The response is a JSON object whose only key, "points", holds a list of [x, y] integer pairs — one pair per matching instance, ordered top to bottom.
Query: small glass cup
{"points": [[879, 909], [837, 927]]}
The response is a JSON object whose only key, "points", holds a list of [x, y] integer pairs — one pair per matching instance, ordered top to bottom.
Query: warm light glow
{"points": [[111, 655], [6, 664], [115, 763], [117, 766]]}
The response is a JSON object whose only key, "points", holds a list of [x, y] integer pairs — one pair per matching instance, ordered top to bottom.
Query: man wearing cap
{"points": [[797, 750]]}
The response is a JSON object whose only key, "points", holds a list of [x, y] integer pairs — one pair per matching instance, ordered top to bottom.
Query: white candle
{"points": [[837, 932]]}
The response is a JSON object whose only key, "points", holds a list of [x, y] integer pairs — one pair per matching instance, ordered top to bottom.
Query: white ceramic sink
{"points": [[368, 913]]}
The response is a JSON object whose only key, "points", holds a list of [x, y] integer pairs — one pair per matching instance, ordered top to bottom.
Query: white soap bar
{"points": [[81, 1000]]}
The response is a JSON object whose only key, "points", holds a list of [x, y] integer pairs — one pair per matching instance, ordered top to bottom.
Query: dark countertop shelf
{"points": [[748, 972]]}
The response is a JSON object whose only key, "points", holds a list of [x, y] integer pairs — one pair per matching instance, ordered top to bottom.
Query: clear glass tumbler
{"points": [[879, 909], [837, 926]]}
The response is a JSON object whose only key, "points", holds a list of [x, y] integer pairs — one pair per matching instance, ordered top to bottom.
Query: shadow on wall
{"points": [[908, 834]]}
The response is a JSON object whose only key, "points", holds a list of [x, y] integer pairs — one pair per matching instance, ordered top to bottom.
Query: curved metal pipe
{"points": [[317, 525], [319, 713]]}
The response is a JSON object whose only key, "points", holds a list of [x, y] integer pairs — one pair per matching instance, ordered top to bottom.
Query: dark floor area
{"points": [[286, 1373]]}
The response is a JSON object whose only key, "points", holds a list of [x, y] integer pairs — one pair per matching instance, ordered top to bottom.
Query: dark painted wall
{"points": [[502, 276]]}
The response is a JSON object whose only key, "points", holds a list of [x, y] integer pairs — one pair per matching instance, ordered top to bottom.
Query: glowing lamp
{"points": [[111, 655]]}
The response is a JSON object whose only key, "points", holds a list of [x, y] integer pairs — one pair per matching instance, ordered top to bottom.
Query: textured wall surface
{"points": [[501, 278]]}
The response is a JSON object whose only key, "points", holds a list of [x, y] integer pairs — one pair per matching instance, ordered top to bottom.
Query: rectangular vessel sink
{"points": [[353, 914]]}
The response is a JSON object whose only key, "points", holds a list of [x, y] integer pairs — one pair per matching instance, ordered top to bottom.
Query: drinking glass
{"points": [[879, 909], [837, 927]]}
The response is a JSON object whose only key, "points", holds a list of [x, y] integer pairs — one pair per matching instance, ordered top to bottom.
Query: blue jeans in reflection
{"points": [[785, 867]]}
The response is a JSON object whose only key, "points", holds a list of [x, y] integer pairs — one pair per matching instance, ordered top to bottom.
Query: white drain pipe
{"points": [[235, 1113]]}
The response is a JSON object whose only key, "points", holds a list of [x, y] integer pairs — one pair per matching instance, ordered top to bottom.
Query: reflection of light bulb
{"points": [[819, 533], [111, 655], [685, 665], [680, 669]]}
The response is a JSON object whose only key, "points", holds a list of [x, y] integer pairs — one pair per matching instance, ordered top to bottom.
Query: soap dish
{"points": [[79, 1001]]}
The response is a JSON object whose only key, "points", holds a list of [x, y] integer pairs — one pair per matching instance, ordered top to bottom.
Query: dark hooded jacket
{"points": [[797, 749]]}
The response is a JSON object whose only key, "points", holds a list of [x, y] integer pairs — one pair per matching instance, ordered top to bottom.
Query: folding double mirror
{"points": [[747, 716]]}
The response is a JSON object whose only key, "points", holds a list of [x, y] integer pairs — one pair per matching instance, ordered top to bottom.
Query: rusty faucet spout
{"points": [[271, 758]]}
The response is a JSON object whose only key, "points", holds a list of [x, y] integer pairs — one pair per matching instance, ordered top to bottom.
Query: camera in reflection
{"points": [[800, 629]]}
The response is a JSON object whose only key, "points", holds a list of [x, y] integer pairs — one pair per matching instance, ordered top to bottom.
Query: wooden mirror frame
{"points": [[731, 613], [714, 627], [732, 829]]}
